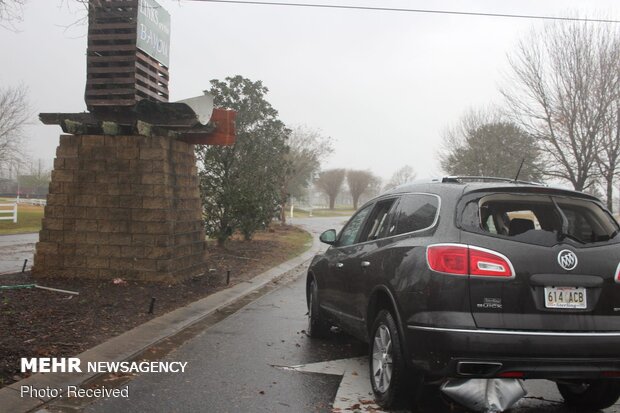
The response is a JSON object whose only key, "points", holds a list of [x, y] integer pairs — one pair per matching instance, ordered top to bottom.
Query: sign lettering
{"points": [[154, 31]]}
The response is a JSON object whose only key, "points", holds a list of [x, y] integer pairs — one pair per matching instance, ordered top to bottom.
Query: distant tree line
{"points": [[331, 183]]}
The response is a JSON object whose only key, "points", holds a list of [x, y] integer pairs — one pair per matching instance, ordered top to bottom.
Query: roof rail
{"points": [[461, 179]]}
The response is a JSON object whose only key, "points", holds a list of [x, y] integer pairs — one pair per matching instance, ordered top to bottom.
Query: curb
{"points": [[136, 340]]}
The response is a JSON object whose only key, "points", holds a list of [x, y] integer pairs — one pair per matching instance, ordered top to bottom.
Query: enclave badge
{"points": [[567, 260]]}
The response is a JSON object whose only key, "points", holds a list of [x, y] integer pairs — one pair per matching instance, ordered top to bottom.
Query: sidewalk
{"points": [[133, 342]]}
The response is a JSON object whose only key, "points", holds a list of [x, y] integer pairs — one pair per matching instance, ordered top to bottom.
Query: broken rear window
{"points": [[539, 219]]}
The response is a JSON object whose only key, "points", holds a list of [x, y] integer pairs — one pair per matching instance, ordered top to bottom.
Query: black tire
{"points": [[317, 327], [392, 385], [590, 395]]}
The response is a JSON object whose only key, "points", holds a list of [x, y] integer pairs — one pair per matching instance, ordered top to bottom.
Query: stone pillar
{"points": [[122, 206]]}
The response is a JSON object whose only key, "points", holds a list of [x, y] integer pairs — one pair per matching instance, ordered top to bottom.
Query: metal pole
{"points": [[17, 201], [56, 289]]}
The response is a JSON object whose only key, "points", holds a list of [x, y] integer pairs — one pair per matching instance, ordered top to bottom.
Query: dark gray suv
{"points": [[477, 278]]}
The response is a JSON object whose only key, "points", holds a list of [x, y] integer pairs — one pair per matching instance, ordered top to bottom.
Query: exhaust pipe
{"points": [[477, 368]]}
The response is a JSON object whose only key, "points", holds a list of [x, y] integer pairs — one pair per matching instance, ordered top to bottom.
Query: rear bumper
{"points": [[453, 352]]}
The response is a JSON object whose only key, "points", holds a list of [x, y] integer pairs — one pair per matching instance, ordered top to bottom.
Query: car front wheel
{"points": [[388, 376], [590, 395]]}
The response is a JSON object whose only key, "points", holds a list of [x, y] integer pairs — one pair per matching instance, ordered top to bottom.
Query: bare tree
{"points": [[11, 12], [563, 85], [14, 115], [484, 143], [306, 149], [608, 157], [402, 175], [36, 179], [359, 182], [330, 183]]}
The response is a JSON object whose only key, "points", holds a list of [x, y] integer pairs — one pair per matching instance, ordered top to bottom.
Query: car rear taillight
{"points": [[448, 258], [460, 259], [485, 262], [617, 274]]}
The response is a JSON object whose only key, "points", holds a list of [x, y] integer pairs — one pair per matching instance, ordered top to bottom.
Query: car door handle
{"points": [[365, 264], [339, 265]]}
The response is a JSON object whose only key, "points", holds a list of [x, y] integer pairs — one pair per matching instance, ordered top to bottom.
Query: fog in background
{"points": [[383, 85]]}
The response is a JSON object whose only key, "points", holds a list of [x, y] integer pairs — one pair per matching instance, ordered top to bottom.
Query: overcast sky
{"points": [[383, 85]]}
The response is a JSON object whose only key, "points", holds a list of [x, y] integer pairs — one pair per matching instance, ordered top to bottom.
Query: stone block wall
{"points": [[122, 206]]}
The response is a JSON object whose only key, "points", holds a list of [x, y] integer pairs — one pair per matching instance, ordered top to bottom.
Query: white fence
{"points": [[40, 202], [8, 212]]}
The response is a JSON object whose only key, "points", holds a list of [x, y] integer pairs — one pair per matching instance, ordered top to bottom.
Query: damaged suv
{"points": [[476, 278]]}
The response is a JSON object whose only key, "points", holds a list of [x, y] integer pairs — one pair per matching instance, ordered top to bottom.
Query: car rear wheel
{"points": [[317, 326], [388, 375], [590, 395]]}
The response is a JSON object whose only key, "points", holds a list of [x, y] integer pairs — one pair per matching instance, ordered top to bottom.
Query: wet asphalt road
{"points": [[14, 249], [233, 366]]}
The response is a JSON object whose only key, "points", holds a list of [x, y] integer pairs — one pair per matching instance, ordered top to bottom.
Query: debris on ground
{"points": [[485, 395]]}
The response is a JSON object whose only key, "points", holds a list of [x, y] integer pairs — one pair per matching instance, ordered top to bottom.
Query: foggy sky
{"points": [[383, 85]]}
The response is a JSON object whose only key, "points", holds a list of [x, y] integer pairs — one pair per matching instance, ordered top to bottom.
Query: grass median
{"points": [[322, 212], [28, 220]]}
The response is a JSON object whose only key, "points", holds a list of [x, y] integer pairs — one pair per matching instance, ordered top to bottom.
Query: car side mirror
{"points": [[328, 237]]}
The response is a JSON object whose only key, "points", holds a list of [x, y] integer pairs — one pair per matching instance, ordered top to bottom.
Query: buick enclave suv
{"points": [[476, 278]]}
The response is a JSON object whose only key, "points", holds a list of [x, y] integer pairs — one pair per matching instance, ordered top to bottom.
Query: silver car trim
{"points": [[518, 332]]}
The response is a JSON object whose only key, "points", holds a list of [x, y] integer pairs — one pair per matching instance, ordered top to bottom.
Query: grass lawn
{"points": [[321, 212], [28, 220], [299, 242]]}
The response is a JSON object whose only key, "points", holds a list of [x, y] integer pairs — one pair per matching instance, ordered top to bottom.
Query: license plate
{"points": [[565, 297]]}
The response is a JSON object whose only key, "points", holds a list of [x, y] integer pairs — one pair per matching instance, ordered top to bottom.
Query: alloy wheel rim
{"points": [[382, 359]]}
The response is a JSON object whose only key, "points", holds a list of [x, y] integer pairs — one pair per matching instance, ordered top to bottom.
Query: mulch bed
{"points": [[39, 323]]}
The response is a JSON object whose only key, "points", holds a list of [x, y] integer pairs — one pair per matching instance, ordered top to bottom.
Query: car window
{"points": [[414, 212], [541, 219], [378, 221], [586, 221], [352, 229]]}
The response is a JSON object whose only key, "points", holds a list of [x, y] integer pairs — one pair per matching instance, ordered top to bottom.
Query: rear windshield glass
{"points": [[540, 219]]}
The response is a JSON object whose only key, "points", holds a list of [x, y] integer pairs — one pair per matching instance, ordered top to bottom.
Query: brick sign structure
{"points": [[124, 198], [122, 206]]}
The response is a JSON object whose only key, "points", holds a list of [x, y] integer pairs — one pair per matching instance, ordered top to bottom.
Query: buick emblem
{"points": [[567, 260]]}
